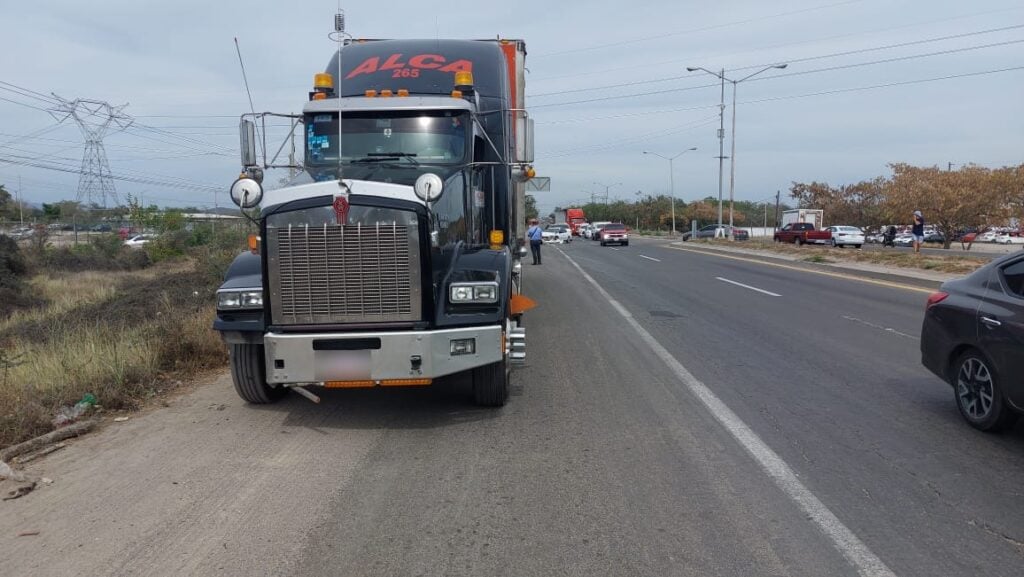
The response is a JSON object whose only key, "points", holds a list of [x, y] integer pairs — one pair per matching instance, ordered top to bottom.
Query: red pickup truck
{"points": [[802, 233]]}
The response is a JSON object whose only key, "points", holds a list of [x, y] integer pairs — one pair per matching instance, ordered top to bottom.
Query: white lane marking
{"points": [[613, 248], [650, 258], [746, 286], [881, 328], [852, 548]]}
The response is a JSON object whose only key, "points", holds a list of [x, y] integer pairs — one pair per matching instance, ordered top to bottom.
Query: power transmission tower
{"points": [[95, 119]]}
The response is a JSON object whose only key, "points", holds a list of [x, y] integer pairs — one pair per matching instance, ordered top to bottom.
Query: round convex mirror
{"points": [[246, 193]]}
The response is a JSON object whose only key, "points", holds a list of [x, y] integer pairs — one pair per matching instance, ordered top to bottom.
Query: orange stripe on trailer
{"points": [[509, 48], [405, 382], [349, 384]]}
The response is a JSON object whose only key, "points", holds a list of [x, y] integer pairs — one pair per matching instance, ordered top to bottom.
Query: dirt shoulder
{"points": [[206, 485]]}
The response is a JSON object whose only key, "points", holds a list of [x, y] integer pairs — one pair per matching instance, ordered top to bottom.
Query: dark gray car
{"points": [[973, 338]]}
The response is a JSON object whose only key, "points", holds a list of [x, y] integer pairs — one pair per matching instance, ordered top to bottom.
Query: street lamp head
{"points": [[781, 66], [691, 69], [694, 148]]}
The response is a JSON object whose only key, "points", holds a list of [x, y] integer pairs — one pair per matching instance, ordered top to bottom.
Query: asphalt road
{"points": [[697, 414]]}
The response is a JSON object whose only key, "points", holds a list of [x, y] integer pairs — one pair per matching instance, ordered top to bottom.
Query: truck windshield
{"points": [[409, 138]]}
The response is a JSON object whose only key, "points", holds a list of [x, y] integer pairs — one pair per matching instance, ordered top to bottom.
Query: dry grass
{"points": [[952, 263], [119, 335]]}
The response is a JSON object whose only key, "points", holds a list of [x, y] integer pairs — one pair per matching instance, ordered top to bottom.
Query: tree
{"points": [[951, 200], [531, 207]]}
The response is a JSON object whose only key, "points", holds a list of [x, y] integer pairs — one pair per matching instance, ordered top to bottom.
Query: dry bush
{"points": [[119, 335]]}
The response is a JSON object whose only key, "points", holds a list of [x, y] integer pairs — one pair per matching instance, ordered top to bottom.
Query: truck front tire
{"points": [[248, 372], [490, 384]]}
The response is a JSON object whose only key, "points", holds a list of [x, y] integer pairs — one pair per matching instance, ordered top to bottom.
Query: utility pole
{"points": [[721, 150], [21, 207], [776, 223]]}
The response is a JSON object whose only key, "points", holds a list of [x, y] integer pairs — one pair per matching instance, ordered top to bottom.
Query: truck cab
{"points": [[393, 258]]}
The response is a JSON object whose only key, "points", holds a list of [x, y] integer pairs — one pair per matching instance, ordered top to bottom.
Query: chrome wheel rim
{"points": [[974, 388]]}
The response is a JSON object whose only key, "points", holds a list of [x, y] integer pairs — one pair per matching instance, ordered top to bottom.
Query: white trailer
{"points": [[812, 215]]}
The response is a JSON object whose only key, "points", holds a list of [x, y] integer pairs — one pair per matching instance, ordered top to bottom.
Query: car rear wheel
{"points": [[248, 372], [979, 394]]}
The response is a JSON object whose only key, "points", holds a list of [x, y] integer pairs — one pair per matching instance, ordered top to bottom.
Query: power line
{"points": [[699, 29], [776, 46], [789, 61], [786, 75], [887, 85], [795, 96], [23, 104], [633, 140], [72, 170]]}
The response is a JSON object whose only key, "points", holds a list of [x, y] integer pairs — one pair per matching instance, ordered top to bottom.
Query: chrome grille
{"points": [[331, 273]]}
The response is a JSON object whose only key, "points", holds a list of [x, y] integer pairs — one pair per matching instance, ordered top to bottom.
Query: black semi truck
{"points": [[394, 259]]}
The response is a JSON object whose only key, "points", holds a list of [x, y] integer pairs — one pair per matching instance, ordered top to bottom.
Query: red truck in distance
{"points": [[574, 218], [802, 233]]}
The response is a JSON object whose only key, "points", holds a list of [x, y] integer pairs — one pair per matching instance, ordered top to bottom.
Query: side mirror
{"points": [[247, 141], [524, 144], [246, 193]]}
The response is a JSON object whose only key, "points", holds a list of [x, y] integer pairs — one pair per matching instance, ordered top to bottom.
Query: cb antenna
{"points": [[339, 36]]}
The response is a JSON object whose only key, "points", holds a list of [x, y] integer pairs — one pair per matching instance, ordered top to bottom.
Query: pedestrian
{"points": [[918, 231], [536, 236]]}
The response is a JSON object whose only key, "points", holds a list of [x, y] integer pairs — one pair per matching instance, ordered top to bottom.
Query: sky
{"points": [[868, 82]]}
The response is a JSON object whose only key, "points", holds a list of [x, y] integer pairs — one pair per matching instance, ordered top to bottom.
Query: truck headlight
{"points": [[473, 293], [240, 299]]}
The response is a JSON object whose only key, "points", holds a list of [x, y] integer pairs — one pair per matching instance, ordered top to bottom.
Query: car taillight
{"points": [[935, 298]]}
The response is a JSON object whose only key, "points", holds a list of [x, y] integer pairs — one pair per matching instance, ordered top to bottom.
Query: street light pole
{"points": [[721, 134], [721, 149], [672, 181], [606, 187]]}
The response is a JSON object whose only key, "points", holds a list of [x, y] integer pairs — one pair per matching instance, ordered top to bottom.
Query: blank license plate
{"points": [[342, 365]]}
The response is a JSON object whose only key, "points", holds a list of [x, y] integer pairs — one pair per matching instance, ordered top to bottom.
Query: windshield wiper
{"points": [[385, 156]]}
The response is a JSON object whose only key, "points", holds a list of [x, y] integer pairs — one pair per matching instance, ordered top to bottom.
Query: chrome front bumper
{"points": [[305, 358]]}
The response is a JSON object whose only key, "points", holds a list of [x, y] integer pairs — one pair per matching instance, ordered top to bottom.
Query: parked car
{"points": [[101, 228], [595, 229], [714, 231], [556, 233], [614, 233], [802, 233], [846, 235], [934, 236], [987, 236], [1007, 238], [904, 239], [138, 240], [972, 337]]}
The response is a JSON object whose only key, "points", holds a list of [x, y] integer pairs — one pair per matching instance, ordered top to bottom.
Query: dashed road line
{"points": [[650, 258], [806, 270], [746, 286], [880, 327]]}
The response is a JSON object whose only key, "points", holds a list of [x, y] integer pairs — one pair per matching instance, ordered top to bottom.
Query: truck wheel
{"points": [[798, 241], [248, 372], [490, 384]]}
